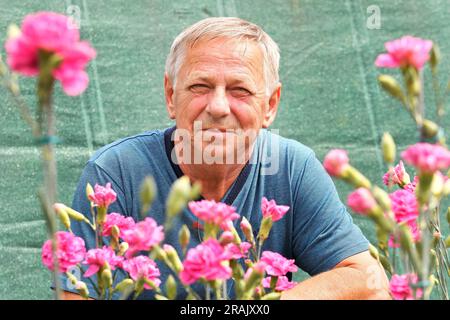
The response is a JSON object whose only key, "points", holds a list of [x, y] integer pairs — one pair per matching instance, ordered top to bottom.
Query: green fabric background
{"points": [[330, 95]]}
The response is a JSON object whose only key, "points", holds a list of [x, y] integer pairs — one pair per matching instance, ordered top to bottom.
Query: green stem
{"points": [[437, 97], [49, 216], [225, 290], [207, 291], [217, 291]]}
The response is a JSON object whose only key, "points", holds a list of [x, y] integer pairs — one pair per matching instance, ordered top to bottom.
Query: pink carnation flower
{"points": [[51, 32], [406, 51], [427, 157], [335, 162], [397, 175], [411, 187], [103, 196], [361, 201], [404, 205], [271, 209], [213, 212], [116, 219], [143, 236], [226, 237], [394, 240], [70, 251], [237, 251], [96, 258], [207, 261], [277, 265], [142, 267], [259, 267], [283, 283], [400, 287]]}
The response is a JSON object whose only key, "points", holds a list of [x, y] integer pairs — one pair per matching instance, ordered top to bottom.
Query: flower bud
{"points": [[13, 31], [435, 57], [390, 85], [429, 128], [388, 147], [335, 162], [356, 178], [437, 185], [423, 189], [196, 190], [89, 191], [147, 193], [178, 197], [382, 198], [361, 201], [448, 215], [63, 216], [78, 216], [266, 226], [232, 229], [247, 229], [115, 231], [184, 236], [226, 237], [382, 237], [406, 239], [123, 247], [374, 252], [159, 253], [173, 258], [386, 264], [107, 277], [72, 278], [253, 281], [124, 285], [171, 288], [82, 289], [160, 297]]}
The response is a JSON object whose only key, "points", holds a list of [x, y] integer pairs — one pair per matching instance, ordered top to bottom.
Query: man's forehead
{"points": [[243, 60]]}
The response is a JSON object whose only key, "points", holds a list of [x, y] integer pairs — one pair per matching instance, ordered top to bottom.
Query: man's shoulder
{"points": [[131, 148]]}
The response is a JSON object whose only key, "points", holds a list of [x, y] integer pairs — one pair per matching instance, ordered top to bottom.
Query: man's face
{"points": [[221, 87]]}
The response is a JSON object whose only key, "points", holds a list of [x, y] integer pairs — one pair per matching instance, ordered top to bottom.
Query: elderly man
{"points": [[222, 89]]}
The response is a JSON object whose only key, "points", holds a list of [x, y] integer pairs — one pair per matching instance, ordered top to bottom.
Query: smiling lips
{"points": [[218, 130]]}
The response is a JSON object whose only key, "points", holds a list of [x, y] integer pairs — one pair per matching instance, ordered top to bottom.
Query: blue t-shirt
{"points": [[317, 231]]}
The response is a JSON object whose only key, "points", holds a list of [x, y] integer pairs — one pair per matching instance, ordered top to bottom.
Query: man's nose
{"points": [[218, 105]]}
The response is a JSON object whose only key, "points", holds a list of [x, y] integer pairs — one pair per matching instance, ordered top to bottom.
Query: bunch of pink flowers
{"points": [[405, 213], [214, 261]]}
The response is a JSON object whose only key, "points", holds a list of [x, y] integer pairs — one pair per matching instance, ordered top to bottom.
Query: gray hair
{"points": [[225, 27]]}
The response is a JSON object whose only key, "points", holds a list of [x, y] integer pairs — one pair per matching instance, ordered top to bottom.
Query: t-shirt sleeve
{"points": [[92, 174], [324, 233]]}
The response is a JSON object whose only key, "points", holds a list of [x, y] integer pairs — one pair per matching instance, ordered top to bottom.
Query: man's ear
{"points": [[168, 91], [272, 107]]}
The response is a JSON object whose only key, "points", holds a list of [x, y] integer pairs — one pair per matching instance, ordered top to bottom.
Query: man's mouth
{"points": [[219, 130]]}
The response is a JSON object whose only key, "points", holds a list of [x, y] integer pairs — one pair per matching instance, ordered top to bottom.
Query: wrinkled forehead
{"points": [[243, 56]]}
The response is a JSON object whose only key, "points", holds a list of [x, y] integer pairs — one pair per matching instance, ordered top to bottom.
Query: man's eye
{"points": [[199, 88], [240, 91]]}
